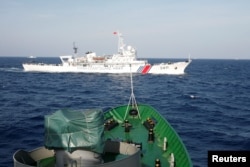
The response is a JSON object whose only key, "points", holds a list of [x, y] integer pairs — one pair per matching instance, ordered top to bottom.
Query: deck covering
{"points": [[71, 130]]}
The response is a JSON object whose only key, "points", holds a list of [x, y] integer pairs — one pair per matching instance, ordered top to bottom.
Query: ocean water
{"points": [[209, 106]]}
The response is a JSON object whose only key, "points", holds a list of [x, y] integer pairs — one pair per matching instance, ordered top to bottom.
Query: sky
{"points": [[212, 29]]}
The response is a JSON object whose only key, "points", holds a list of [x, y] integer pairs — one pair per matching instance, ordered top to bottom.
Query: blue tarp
{"points": [[71, 130]]}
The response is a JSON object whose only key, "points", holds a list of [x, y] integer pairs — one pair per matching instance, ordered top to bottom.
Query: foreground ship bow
{"points": [[125, 61], [125, 136], [105, 139]]}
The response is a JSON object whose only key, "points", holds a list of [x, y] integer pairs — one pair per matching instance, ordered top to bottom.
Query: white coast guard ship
{"points": [[125, 61]]}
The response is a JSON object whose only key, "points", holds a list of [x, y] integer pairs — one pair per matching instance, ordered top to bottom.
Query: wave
{"points": [[11, 69]]}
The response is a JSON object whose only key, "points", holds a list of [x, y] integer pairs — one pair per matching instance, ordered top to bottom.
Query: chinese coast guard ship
{"points": [[125, 61]]}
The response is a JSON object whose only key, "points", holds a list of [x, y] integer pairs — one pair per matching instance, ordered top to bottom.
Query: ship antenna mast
{"points": [[120, 42], [75, 48], [134, 110]]}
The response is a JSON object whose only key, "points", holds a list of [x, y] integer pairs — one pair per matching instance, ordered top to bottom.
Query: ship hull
{"points": [[177, 68], [82, 69]]}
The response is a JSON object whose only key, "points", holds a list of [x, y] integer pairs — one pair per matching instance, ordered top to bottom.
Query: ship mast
{"points": [[121, 44], [75, 49]]}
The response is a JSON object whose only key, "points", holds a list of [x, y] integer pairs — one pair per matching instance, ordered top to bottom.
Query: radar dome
{"points": [[129, 47]]}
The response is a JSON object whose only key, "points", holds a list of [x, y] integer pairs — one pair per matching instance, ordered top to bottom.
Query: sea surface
{"points": [[209, 106]]}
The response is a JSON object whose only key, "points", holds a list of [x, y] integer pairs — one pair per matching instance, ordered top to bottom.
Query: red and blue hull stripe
{"points": [[144, 69]]}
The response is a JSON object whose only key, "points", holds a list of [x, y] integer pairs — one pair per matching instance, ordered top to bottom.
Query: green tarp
{"points": [[71, 130]]}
